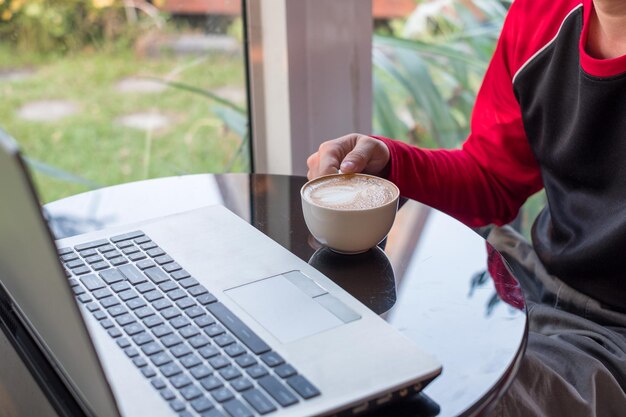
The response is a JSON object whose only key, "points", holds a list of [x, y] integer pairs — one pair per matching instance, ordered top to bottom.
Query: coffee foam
{"points": [[349, 193]]}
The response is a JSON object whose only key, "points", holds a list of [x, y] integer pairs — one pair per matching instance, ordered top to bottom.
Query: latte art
{"points": [[350, 193]]}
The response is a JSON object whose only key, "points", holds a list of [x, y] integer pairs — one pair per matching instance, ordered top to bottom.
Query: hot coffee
{"points": [[350, 192]]}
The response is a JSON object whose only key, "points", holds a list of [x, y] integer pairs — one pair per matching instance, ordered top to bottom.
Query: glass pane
{"points": [[100, 92]]}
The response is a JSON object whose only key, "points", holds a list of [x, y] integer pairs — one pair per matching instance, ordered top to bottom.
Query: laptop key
{"points": [[127, 236], [124, 244], [90, 245], [148, 245], [106, 248], [130, 249], [64, 251], [88, 252], [153, 253], [112, 254], [70, 256], [136, 256], [93, 259], [162, 260], [118, 261], [75, 264], [145, 264], [99, 266], [171, 267], [81, 270], [132, 274], [180, 274], [156, 275], [111, 276], [92, 282], [188, 282], [168, 285], [119, 286], [145, 287], [197, 290], [102, 293], [176, 294], [153, 295], [84, 298], [109, 302], [184, 302], [136, 303], [161, 304], [92, 307], [117, 310], [194, 311], [170, 313], [100, 315], [125, 319], [153, 321], [204, 321], [238, 328], [133, 329], [161, 330], [214, 330], [188, 331], [114, 332], [142, 338], [171, 340], [224, 340], [198, 341], [123, 342], [151, 348], [180, 350], [234, 350], [208, 351], [160, 359], [272, 359], [189, 361], [245, 361], [140, 362], [219, 362], [170, 369], [285, 370], [200, 371], [256, 371], [148, 372], [230, 372], [180, 381], [211, 382], [158, 383], [241, 384], [302, 386], [277, 390], [190, 392], [167, 394], [222, 394], [259, 401], [201, 404], [177, 405], [236, 408]]}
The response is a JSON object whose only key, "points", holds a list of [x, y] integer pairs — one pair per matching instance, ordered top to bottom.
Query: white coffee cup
{"points": [[349, 213]]}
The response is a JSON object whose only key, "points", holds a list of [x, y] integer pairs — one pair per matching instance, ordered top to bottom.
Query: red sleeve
{"points": [[495, 171]]}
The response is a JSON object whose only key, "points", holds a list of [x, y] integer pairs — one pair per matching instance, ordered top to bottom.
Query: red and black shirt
{"points": [[547, 115]]}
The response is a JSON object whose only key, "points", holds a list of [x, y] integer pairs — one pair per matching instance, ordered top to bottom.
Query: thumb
{"points": [[357, 159]]}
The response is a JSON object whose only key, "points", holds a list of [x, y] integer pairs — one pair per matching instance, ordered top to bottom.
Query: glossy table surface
{"points": [[433, 279]]}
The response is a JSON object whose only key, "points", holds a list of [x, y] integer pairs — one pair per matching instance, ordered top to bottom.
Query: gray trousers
{"points": [[575, 361]]}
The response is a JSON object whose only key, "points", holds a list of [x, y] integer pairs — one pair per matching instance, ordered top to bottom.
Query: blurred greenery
{"points": [[427, 74], [94, 144]]}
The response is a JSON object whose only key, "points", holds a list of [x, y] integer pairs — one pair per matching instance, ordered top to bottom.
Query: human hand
{"points": [[350, 153]]}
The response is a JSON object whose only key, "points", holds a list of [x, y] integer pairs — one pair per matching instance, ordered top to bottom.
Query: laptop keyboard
{"points": [[201, 358]]}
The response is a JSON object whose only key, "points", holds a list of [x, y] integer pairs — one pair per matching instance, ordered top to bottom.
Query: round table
{"points": [[434, 279]]}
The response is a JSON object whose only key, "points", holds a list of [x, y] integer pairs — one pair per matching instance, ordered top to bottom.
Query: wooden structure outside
{"points": [[381, 9]]}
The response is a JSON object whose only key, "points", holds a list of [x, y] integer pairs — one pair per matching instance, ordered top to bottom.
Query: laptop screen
{"points": [[32, 276]]}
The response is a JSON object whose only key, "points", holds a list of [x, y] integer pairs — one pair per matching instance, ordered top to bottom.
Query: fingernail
{"points": [[347, 166]]}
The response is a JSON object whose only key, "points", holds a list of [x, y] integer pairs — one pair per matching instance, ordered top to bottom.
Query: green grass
{"points": [[92, 144]]}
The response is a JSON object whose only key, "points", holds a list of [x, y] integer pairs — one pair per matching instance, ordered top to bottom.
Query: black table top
{"points": [[432, 278]]}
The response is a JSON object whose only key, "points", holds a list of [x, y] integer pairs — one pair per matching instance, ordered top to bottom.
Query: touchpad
{"points": [[286, 306]]}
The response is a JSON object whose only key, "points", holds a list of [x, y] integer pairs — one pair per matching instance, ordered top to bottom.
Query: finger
{"points": [[330, 156], [359, 157]]}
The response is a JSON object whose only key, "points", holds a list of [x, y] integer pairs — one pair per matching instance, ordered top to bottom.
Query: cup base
{"points": [[348, 253]]}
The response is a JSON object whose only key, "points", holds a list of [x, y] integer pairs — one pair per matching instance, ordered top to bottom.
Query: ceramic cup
{"points": [[349, 213]]}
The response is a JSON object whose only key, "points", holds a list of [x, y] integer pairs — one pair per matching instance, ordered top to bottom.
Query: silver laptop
{"points": [[194, 314]]}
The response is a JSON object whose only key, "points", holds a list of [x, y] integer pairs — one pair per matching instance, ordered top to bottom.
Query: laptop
{"points": [[194, 314]]}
